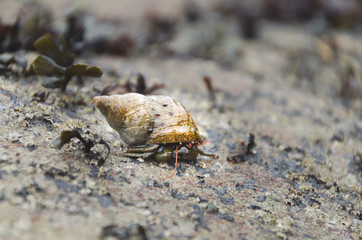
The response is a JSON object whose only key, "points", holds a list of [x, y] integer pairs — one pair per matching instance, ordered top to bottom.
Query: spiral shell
{"points": [[142, 120]]}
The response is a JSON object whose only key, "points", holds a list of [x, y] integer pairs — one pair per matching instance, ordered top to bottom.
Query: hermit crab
{"points": [[152, 126]]}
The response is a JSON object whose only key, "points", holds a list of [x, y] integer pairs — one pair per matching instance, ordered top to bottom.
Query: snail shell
{"points": [[141, 120]]}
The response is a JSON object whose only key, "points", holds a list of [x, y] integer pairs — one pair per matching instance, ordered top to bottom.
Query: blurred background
{"points": [[299, 39], [285, 74]]}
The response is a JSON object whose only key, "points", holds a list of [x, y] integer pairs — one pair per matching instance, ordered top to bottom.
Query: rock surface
{"points": [[303, 179]]}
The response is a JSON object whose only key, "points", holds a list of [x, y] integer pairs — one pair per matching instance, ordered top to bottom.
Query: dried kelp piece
{"points": [[192, 12], [248, 21], [160, 29], [74, 34], [9, 37], [47, 46], [121, 46], [55, 64], [45, 66], [81, 69], [93, 71], [53, 74], [61, 81], [54, 82], [350, 86], [139, 87], [210, 87], [109, 89], [215, 95], [40, 96], [67, 135], [251, 144], [247, 150], [134, 231]]}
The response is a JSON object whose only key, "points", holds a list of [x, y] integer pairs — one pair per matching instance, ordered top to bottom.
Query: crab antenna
{"points": [[202, 143], [174, 172]]}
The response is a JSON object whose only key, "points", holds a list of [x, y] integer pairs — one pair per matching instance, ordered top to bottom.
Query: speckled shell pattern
{"points": [[141, 119]]}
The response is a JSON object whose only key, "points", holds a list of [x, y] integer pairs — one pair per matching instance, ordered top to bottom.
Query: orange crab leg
{"points": [[197, 145], [174, 172]]}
